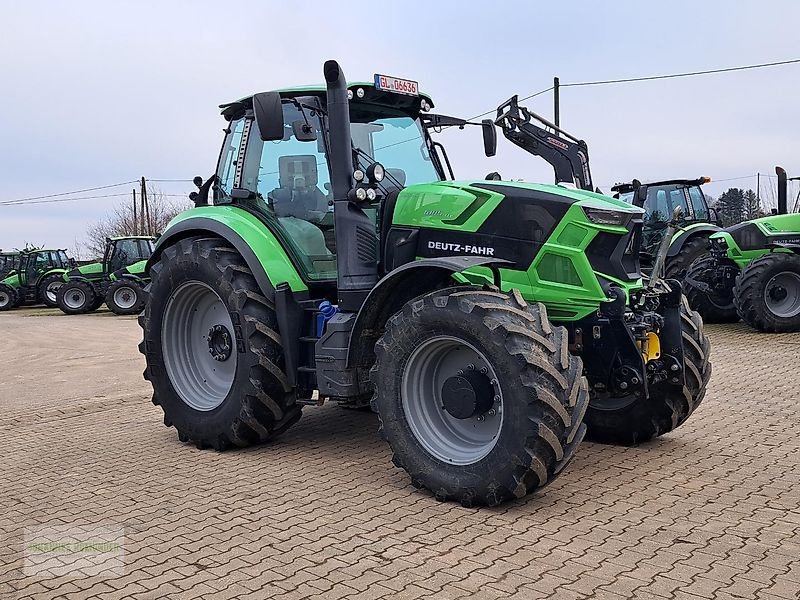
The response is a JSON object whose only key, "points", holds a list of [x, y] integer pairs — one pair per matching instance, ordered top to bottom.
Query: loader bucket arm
{"points": [[568, 155]]}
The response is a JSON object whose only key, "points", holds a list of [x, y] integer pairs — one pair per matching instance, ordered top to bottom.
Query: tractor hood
{"points": [[466, 205], [759, 234], [90, 269], [12, 280]]}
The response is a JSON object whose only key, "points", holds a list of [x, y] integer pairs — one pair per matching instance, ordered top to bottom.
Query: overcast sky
{"points": [[95, 93]]}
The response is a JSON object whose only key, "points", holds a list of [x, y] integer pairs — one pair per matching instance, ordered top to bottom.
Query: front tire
{"points": [[48, 289], [767, 293], [8, 297], [75, 297], [126, 297], [714, 304], [212, 348], [478, 395], [634, 419]]}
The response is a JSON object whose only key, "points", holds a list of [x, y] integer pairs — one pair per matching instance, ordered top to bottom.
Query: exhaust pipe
{"points": [[783, 207], [357, 244]]}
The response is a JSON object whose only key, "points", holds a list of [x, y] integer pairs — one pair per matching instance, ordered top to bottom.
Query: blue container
{"points": [[325, 314]]}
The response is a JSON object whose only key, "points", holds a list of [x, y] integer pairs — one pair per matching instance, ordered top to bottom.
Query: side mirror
{"points": [[268, 111], [303, 132], [489, 137]]}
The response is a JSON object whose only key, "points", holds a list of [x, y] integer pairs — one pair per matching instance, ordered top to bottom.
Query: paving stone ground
{"points": [[710, 511]]}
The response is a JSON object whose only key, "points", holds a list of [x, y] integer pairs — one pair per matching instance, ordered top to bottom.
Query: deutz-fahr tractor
{"points": [[659, 199], [330, 258], [9, 261], [752, 271], [37, 279], [118, 280]]}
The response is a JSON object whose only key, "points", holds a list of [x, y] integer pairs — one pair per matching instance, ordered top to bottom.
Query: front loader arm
{"points": [[568, 155]]}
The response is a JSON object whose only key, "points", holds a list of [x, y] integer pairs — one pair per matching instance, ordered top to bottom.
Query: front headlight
{"points": [[602, 216]]}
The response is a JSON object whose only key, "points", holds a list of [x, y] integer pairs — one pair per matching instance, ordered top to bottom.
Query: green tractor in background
{"points": [[659, 199], [330, 258], [9, 263], [752, 271], [118, 279], [37, 280]]}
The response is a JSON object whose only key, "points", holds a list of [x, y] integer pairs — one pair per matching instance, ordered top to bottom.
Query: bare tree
{"points": [[121, 221]]}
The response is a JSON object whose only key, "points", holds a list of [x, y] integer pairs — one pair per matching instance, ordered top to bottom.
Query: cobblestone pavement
{"points": [[709, 511]]}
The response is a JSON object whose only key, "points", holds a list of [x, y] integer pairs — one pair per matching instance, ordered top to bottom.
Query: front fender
{"points": [[685, 234], [259, 247], [398, 287]]}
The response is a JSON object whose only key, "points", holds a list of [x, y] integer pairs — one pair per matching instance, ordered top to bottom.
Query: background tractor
{"points": [[659, 199], [329, 258], [9, 261], [752, 271], [118, 279], [37, 280]]}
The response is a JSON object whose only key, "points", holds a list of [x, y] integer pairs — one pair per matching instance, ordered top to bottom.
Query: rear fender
{"points": [[684, 235], [259, 247], [398, 287]]}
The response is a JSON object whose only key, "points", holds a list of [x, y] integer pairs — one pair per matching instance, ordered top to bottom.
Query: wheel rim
{"points": [[52, 290], [782, 295], [125, 297], [74, 298], [5, 299], [194, 312], [427, 375]]}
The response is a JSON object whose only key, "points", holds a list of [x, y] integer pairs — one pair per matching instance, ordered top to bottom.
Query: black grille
{"points": [[617, 255]]}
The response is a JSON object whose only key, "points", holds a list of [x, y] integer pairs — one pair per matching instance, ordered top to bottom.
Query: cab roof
{"points": [[372, 95], [630, 186], [131, 237]]}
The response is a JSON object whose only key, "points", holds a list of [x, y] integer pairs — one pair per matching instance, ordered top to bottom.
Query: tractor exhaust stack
{"points": [[782, 201], [355, 234]]}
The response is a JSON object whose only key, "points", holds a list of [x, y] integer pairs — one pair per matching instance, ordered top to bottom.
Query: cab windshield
{"points": [[397, 141]]}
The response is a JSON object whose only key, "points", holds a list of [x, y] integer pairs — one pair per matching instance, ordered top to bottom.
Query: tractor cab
{"points": [[659, 199], [122, 252], [9, 263], [34, 264]]}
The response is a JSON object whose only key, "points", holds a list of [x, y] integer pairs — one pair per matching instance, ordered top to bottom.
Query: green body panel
{"points": [[771, 225], [687, 229], [262, 241], [139, 269], [91, 271], [560, 275], [14, 280]]}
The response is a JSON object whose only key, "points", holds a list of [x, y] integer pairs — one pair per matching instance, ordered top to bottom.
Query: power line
{"points": [[688, 74], [488, 112], [93, 189], [56, 200]]}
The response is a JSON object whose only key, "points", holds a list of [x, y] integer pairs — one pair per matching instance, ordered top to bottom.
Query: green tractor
{"points": [[659, 199], [330, 258], [9, 263], [752, 271], [37, 280], [118, 280]]}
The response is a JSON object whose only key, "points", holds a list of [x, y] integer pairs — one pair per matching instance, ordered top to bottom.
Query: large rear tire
{"points": [[692, 249], [48, 289], [767, 293], [8, 297], [76, 297], [126, 297], [715, 304], [212, 348], [478, 395], [633, 419]]}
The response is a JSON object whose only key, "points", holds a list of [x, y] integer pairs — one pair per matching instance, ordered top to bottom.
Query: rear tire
{"points": [[692, 249], [48, 289], [767, 293], [8, 297], [76, 297], [126, 297], [204, 302], [715, 307], [530, 380], [642, 419]]}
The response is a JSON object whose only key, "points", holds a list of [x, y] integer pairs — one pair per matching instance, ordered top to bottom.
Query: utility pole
{"points": [[556, 103], [758, 188], [145, 210], [134, 211]]}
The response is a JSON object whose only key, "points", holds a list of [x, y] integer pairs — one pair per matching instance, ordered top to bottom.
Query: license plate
{"points": [[396, 85]]}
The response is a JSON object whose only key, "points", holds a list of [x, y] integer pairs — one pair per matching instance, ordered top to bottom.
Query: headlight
{"points": [[360, 92], [376, 172], [361, 194], [371, 194], [602, 216]]}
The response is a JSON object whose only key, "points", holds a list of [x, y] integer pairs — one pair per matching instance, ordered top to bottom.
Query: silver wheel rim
{"points": [[52, 290], [782, 295], [125, 297], [75, 298], [5, 299], [192, 311], [447, 438]]}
